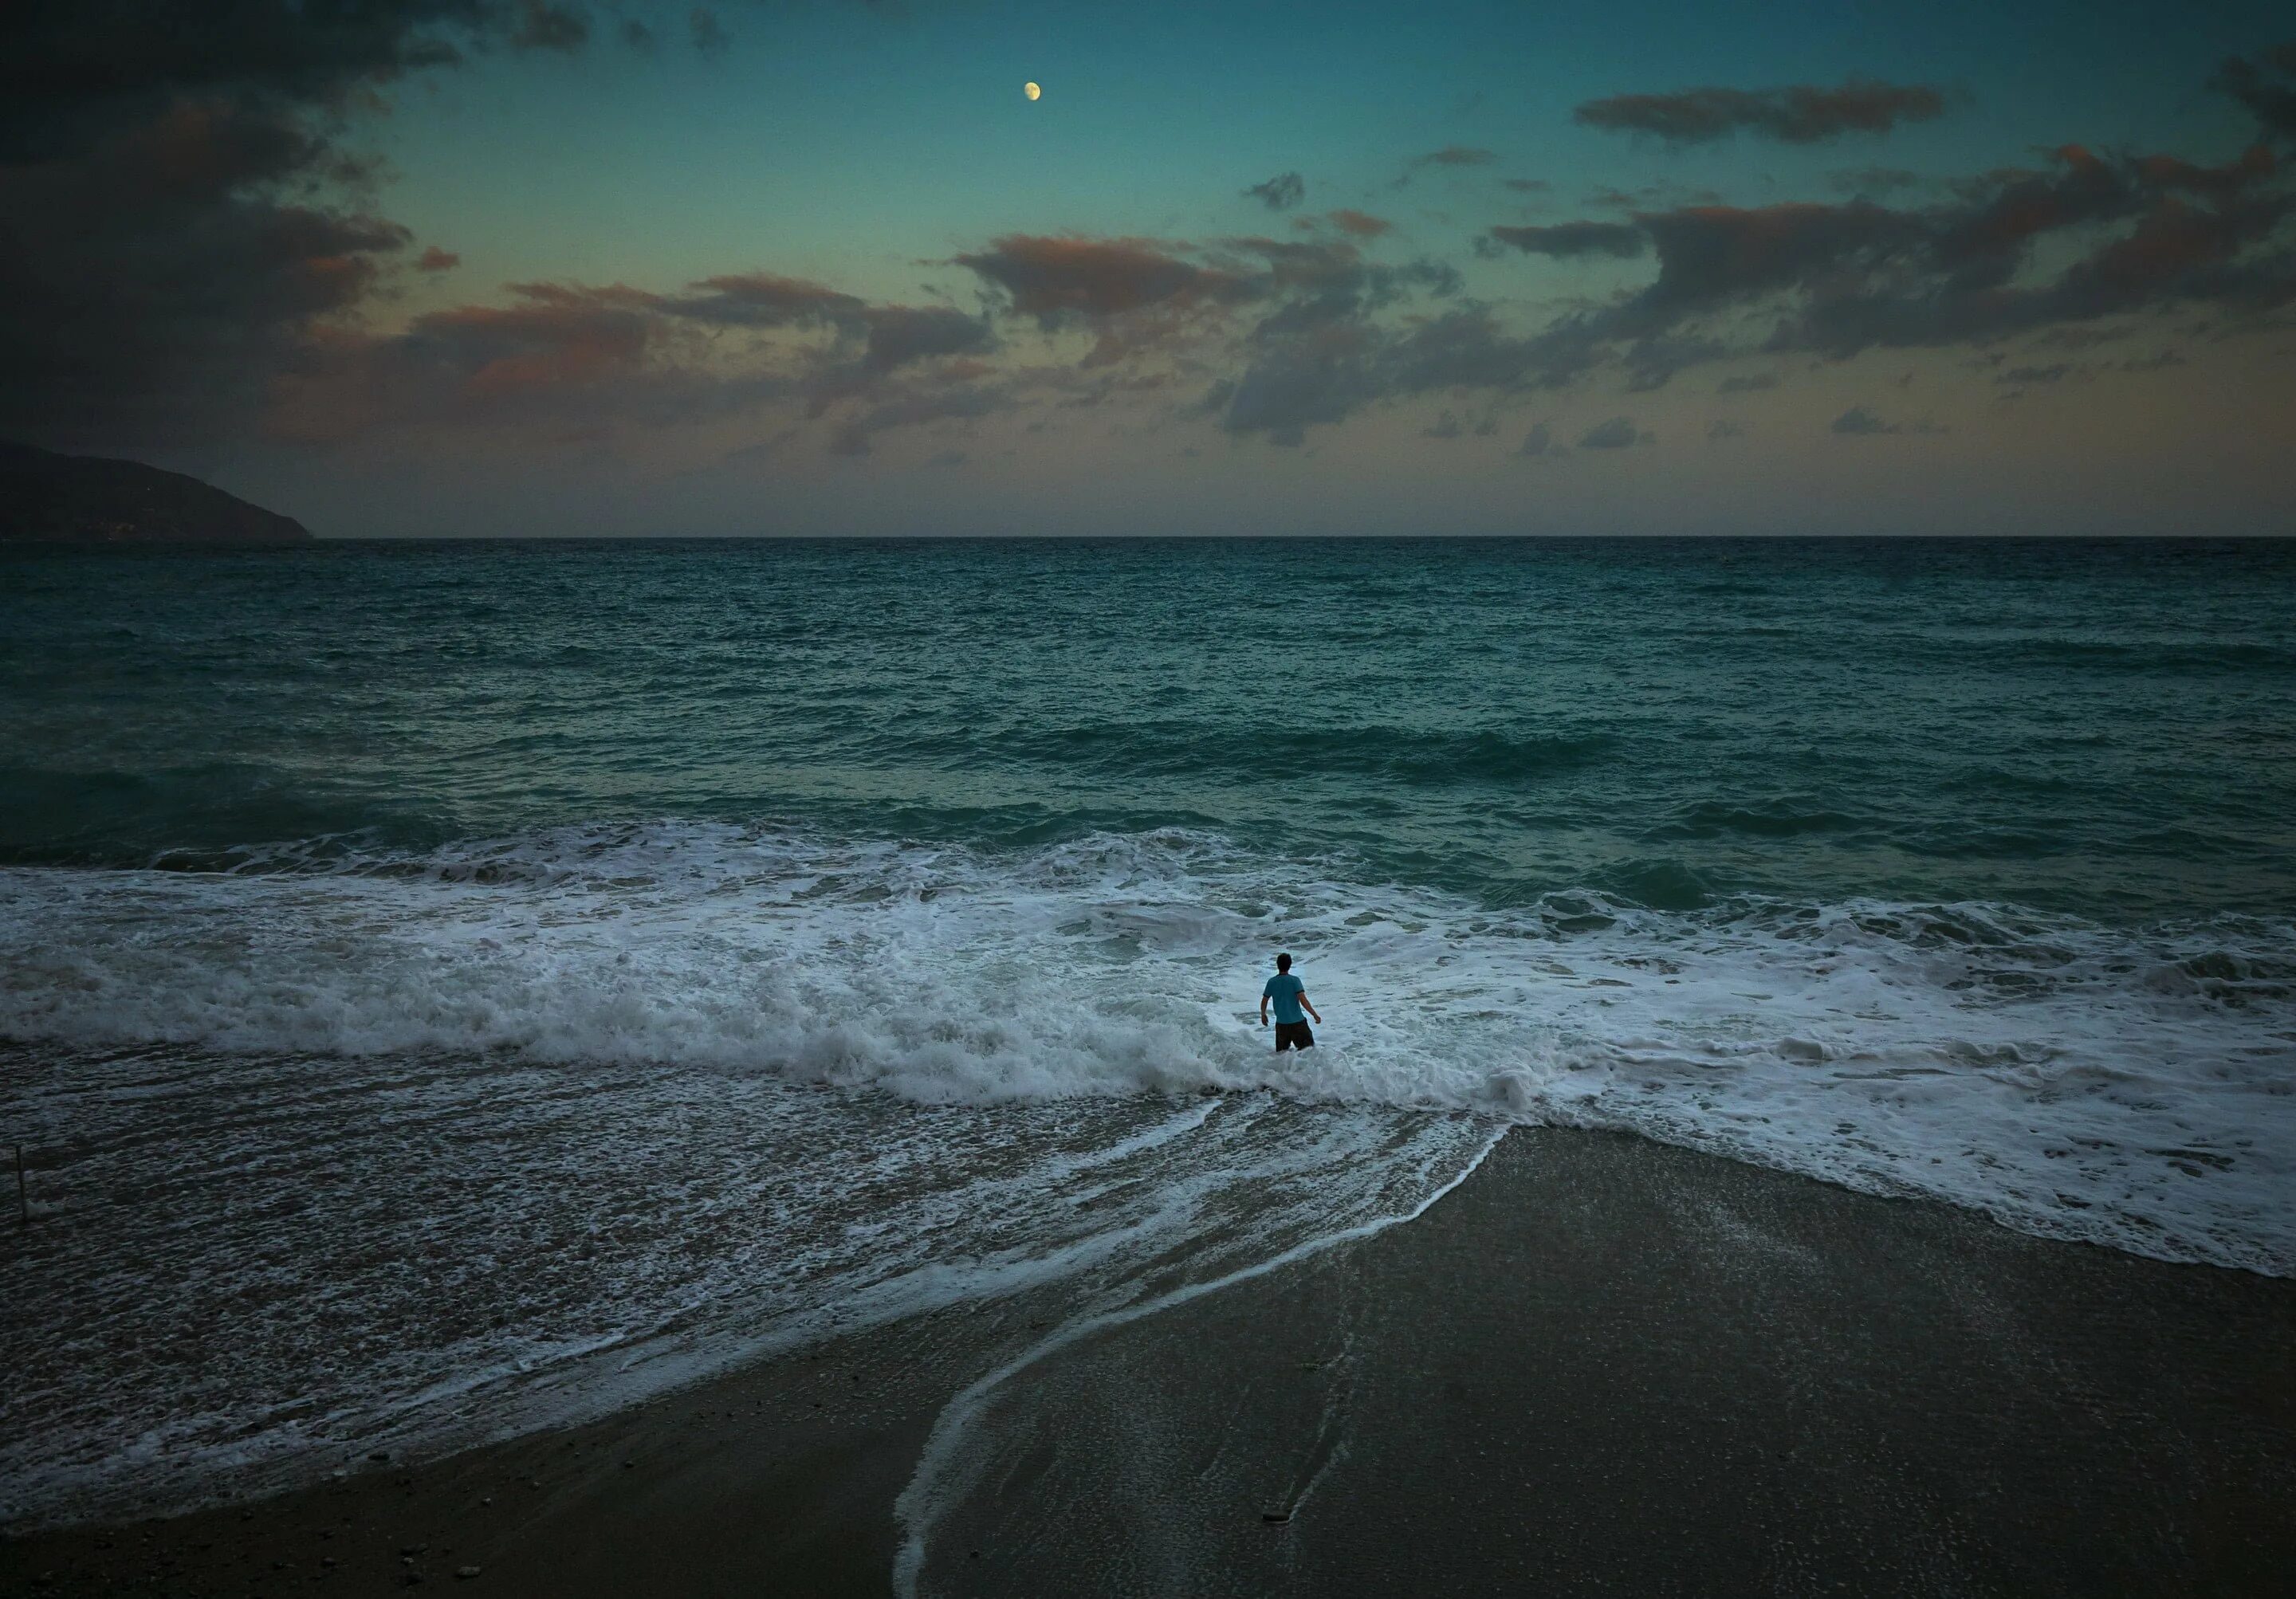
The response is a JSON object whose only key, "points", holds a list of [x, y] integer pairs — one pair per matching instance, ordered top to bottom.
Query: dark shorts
{"points": [[1293, 1035]]}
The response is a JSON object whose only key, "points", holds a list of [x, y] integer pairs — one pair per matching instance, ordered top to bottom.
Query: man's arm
{"points": [[1263, 1007], [1311, 1010]]}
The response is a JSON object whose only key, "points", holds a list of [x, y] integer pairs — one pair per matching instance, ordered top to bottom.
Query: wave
{"points": [[2035, 1067]]}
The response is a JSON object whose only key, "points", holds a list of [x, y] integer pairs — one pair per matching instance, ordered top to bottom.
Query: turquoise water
{"points": [[2108, 730], [478, 985]]}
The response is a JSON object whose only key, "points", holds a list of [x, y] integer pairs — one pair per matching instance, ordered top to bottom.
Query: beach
{"points": [[1803, 1094], [1689, 1375]]}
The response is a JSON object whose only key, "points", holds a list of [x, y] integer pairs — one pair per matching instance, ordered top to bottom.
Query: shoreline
{"points": [[1597, 1362]]}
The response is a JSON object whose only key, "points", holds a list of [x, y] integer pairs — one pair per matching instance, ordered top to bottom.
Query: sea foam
{"points": [[2136, 1089], [422, 1149]]}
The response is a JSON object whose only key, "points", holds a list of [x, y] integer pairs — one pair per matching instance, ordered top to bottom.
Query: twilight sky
{"points": [[470, 266]]}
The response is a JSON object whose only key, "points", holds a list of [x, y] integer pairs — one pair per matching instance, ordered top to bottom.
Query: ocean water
{"points": [[449, 988]]}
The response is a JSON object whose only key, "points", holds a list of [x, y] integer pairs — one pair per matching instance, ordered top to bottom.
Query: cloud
{"points": [[542, 26], [709, 34], [2265, 83], [1796, 114], [1456, 155], [1529, 185], [1280, 193], [183, 221], [1361, 224], [2123, 235], [1567, 239], [435, 259], [1053, 277], [152, 280], [763, 299], [899, 335], [553, 336], [561, 360], [2056, 373], [1748, 383], [1858, 422], [1449, 425], [1723, 428], [1617, 434], [1538, 441]]}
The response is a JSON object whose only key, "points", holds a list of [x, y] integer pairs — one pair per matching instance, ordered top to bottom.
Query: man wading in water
{"points": [[1290, 998]]}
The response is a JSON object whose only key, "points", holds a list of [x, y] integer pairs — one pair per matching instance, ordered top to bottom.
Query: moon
{"points": [[1030, 90]]}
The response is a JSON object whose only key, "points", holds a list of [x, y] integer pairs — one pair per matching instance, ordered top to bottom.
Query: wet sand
{"points": [[1599, 1365]]}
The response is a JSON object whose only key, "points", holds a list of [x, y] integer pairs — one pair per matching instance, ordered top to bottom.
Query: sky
{"points": [[542, 268]]}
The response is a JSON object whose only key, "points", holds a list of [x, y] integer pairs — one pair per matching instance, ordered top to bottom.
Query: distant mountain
{"points": [[86, 499]]}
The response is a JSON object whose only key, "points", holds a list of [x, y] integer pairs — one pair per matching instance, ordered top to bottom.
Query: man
{"points": [[1290, 998]]}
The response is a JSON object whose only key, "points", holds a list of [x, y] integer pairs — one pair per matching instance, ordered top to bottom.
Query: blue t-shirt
{"points": [[1285, 989]]}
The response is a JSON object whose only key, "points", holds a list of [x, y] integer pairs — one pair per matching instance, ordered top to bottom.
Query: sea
{"points": [[451, 989]]}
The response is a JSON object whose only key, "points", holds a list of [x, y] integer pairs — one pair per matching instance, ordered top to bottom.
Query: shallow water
{"points": [[451, 989]]}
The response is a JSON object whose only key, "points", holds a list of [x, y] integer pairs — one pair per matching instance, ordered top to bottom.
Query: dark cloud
{"points": [[546, 27], [709, 34], [78, 72], [2265, 83], [1797, 114], [1456, 155], [1529, 185], [1280, 193], [1652, 197], [178, 210], [1363, 225], [2125, 234], [1565, 240], [435, 259], [1052, 278], [150, 282], [1315, 285], [1136, 296], [764, 299], [901, 334], [554, 335], [560, 358], [1307, 372], [2054, 374], [1748, 384], [1858, 422], [1452, 424], [1723, 428], [1617, 434], [1538, 441]]}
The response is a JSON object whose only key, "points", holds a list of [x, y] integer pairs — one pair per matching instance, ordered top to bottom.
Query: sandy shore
{"points": [[1599, 1365]]}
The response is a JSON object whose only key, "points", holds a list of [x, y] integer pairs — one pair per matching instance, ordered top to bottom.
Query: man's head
{"points": [[1283, 963]]}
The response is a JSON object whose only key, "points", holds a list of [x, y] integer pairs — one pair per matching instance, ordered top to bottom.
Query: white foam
{"points": [[2076, 1081], [434, 1149]]}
